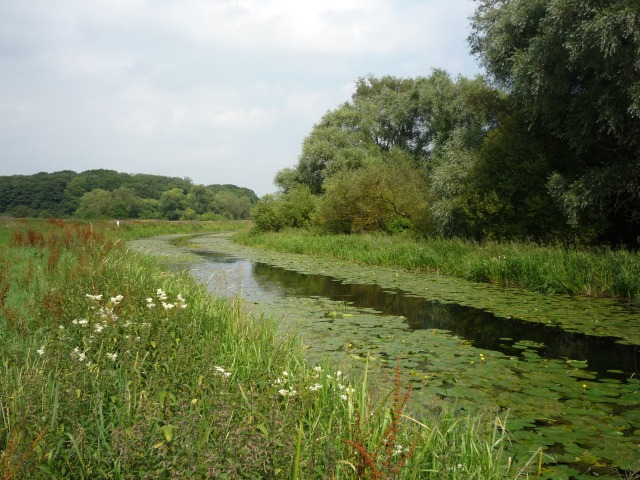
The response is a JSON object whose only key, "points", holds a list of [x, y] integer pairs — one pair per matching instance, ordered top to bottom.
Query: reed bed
{"points": [[595, 272], [113, 367]]}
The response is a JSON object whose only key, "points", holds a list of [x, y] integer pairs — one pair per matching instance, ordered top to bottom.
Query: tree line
{"points": [[545, 147], [109, 194]]}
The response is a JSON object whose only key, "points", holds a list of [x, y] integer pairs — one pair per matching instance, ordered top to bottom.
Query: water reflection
{"points": [[260, 282]]}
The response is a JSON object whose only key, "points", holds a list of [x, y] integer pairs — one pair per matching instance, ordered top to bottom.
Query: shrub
{"points": [[383, 196], [295, 209]]}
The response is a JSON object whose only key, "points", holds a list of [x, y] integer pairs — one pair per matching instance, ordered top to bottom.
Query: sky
{"points": [[220, 91]]}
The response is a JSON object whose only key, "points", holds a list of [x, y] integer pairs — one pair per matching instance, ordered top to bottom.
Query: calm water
{"points": [[260, 282], [575, 395]]}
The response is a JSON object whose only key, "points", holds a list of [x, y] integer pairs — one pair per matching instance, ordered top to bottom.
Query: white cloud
{"points": [[222, 91]]}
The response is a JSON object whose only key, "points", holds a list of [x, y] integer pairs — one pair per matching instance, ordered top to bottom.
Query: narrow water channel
{"points": [[261, 281], [576, 395]]}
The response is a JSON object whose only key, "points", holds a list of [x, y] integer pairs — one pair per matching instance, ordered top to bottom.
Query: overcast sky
{"points": [[220, 91]]}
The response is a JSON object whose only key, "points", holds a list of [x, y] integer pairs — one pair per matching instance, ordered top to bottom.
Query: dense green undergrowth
{"points": [[601, 272], [113, 367]]}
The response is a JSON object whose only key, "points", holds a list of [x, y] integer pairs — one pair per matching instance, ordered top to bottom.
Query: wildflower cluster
{"points": [[162, 297], [103, 334], [222, 372], [316, 381], [287, 389], [345, 391]]}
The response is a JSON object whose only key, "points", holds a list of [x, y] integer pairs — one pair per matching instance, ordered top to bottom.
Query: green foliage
{"points": [[576, 65], [387, 114], [448, 180], [67, 194], [382, 196], [509, 198], [172, 203], [95, 204], [293, 209], [598, 272]]}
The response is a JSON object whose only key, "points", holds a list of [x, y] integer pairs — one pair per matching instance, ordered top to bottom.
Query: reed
{"points": [[594, 272]]}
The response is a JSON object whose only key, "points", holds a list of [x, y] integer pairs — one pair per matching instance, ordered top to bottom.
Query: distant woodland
{"points": [[103, 193]]}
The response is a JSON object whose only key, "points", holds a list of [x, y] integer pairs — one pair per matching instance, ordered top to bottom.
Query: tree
{"points": [[576, 65], [417, 116], [334, 144], [508, 186], [72, 194], [382, 196], [200, 199], [125, 203], [173, 203], [95, 204], [233, 206]]}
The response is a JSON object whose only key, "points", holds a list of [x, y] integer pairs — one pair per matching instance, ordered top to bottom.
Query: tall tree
{"points": [[576, 65], [414, 115]]}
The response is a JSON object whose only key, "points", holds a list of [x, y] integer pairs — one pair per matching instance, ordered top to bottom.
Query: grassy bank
{"points": [[549, 269], [111, 367]]}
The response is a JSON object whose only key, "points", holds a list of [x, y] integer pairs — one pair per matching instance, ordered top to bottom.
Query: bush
{"points": [[383, 196], [295, 209]]}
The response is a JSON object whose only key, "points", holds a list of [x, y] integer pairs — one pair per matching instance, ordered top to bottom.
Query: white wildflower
{"points": [[161, 294], [94, 297], [117, 299], [180, 303], [168, 306], [82, 322], [98, 327], [40, 351], [112, 356], [82, 357], [317, 369], [222, 372], [285, 374], [315, 387], [287, 393], [343, 397], [399, 449]]}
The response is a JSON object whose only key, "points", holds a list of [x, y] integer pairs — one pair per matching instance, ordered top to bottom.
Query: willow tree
{"points": [[575, 66]]}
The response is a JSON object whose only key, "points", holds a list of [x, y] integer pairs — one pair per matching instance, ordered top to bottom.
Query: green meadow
{"points": [[113, 366]]}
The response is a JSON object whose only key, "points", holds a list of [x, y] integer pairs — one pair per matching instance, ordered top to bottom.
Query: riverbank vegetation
{"points": [[527, 153], [594, 272], [114, 367]]}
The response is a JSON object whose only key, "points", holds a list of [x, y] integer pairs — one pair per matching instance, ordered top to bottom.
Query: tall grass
{"points": [[597, 272], [111, 367]]}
